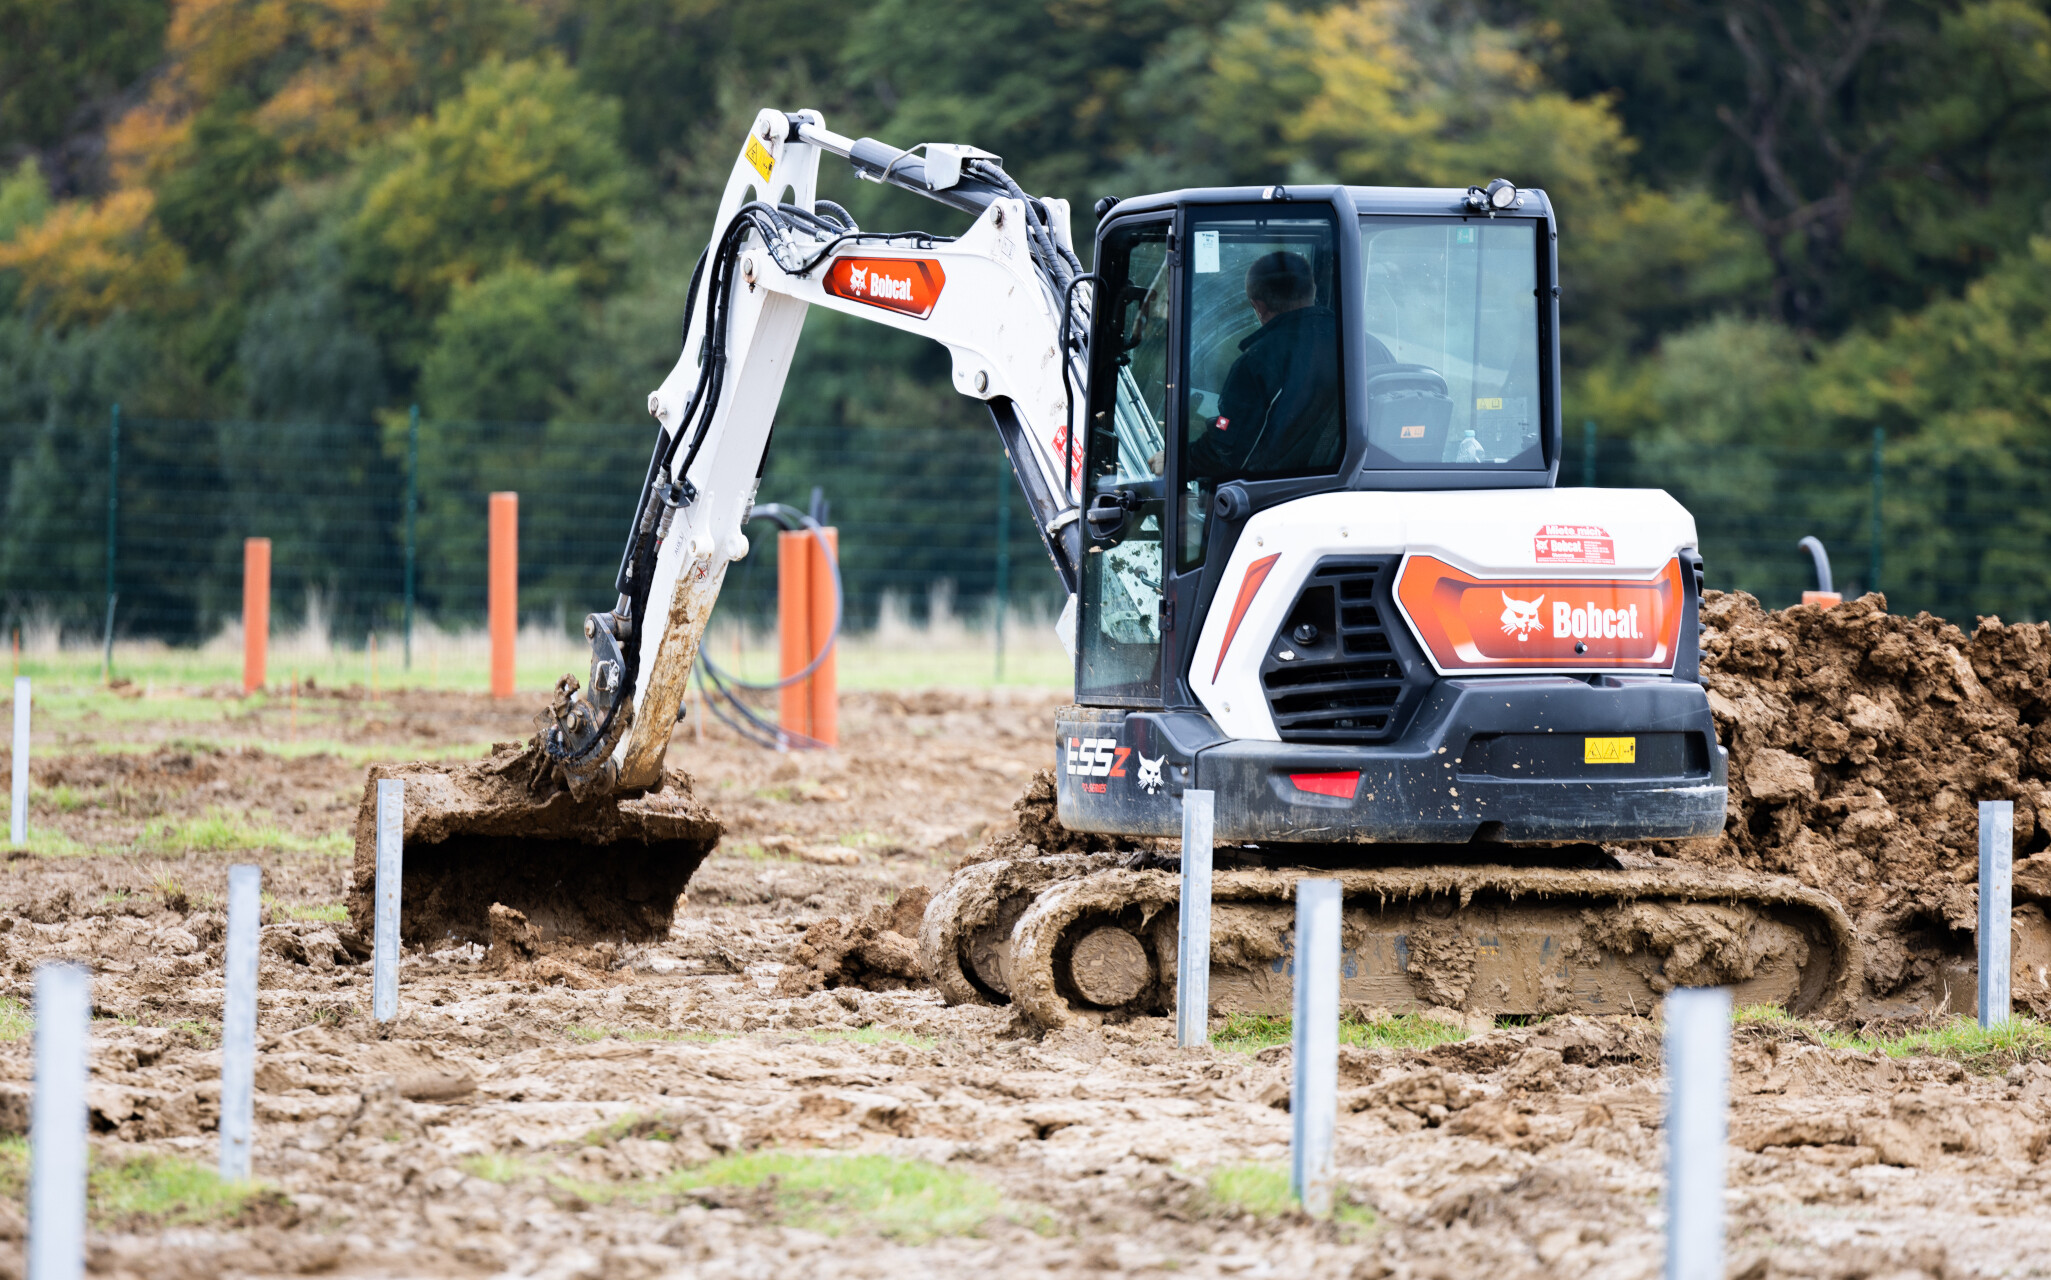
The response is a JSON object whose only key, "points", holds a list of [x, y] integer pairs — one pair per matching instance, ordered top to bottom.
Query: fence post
{"points": [[1588, 453], [113, 512], [412, 517], [1873, 563], [503, 591], [1002, 596], [256, 611], [823, 687], [17, 814], [1997, 849], [384, 942], [1193, 946], [238, 1020], [1698, 1059], [1314, 1101], [57, 1123]]}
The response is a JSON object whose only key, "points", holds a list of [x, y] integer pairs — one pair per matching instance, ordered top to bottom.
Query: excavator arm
{"points": [[1003, 297]]}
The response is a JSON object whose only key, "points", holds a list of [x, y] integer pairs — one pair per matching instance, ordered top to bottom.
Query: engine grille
{"points": [[1356, 680]]}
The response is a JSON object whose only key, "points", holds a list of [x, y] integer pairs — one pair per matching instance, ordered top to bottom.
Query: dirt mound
{"points": [[1860, 743], [1038, 830], [597, 869], [520, 952], [878, 952]]}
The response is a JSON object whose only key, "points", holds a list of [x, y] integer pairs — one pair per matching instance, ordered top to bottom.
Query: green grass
{"points": [[65, 798], [224, 831], [45, 843], [326, 912], [15, 1019], [1252, 1032], [1991, 1049], [498, 1167], [150, 1189], [1263, 1191], [907, 1200]]}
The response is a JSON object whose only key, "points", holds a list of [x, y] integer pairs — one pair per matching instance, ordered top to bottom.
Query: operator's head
{"points": [[1278, 282]]}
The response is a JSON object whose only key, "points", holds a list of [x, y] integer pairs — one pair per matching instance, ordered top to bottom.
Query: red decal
{"points": [[909, 286], [1222, 423], [1060, 446], [1574, 544], [1256, 573], [1471, 623], [1118, 769], [1342, 785], [1095, 788]]}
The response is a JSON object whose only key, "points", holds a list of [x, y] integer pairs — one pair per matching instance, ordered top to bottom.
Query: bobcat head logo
{"points": [[855, 278], [1520, 617], [1150, 773]]}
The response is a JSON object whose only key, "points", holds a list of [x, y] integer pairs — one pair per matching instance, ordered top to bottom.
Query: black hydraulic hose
{"points": [[791, 517]]}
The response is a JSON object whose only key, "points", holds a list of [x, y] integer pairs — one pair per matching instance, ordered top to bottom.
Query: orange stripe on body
{"points": [[1249, 586]]}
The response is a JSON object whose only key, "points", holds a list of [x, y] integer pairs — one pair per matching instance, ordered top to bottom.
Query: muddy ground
{"points": [[522, 1126]]}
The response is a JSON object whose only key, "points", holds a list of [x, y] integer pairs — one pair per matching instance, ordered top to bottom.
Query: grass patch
{"points": [[65, 798], [223, 831], [45, 843], [325, 912], [15, 1019], [1251, 1032], [869, 1035], [1985, 1049], [497, 1167], [142, 1190], [1263, 1191], [908, 1200]]}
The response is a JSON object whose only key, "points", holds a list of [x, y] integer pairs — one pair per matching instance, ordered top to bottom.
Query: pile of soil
{"points": [[1860, 743], [877, 952]]}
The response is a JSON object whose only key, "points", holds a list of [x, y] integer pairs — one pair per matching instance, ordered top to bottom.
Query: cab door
{"points": [[1119, 620]]}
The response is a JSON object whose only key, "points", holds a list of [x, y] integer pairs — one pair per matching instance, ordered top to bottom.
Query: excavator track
{"points": [[1087, 937]]}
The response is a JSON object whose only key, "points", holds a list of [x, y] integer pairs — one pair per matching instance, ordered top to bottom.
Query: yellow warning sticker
{"points": [[758, 155], [1489, 404], [1609, 751]]}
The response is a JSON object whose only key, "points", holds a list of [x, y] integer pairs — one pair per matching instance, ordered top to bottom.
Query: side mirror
{"points": [[1232, 502]]}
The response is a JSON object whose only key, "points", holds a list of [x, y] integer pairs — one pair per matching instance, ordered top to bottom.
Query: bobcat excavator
{"points": [[1293, 453]]}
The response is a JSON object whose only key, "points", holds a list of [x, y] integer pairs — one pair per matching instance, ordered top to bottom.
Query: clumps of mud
{"points": [[1860, 743], [1038, 830], [475, 835], [521, 952], [878, 952]]}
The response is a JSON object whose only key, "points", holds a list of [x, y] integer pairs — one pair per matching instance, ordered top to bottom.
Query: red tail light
{"points": [[1553, 624], [1342, 785]]}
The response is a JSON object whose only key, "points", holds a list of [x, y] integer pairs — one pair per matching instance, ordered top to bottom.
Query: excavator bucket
{"points": [[591, 870]]}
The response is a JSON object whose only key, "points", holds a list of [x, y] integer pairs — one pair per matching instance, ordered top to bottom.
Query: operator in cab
{"points": [[1279, 412]]}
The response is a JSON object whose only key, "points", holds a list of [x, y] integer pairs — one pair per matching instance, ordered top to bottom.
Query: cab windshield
{"points": [[1452, 342]]}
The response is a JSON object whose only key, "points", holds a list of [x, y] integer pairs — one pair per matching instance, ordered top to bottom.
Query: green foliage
{"points": [[65, 63], [227, 166], [523, 167], [24, 198], [505, 348], [15, 1019], [1963, 1040], [145, 1191], [1262, 1191], [908, 1200]]}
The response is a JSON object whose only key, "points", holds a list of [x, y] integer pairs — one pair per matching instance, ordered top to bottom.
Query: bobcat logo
{"points": [[855, 277], [1520, 617], [1150, 773]]}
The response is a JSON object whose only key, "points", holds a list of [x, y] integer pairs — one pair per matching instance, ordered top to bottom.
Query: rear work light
{"points": [[1541, 624]]}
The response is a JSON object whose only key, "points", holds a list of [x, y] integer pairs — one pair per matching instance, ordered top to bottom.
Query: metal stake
{"points": [[17, 816], [391, 835], [1997, 850], [1193, 945], [238, 1021], [1698, 1059], [1314, 1099], [57, 1123]]}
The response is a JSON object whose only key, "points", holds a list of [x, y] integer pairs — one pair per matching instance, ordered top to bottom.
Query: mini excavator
{"points": [[1293, 452]]}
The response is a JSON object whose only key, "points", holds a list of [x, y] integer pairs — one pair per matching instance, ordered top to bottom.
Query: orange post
{"points": [[505, 589], [256, 611], [804, 616]]}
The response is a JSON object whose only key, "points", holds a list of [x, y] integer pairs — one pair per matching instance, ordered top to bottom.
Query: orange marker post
{"points": [[504, 589], [256, 611], [804, 618]]}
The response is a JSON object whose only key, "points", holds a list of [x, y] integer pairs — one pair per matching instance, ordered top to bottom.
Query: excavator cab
{"points": [[1299, 402]]}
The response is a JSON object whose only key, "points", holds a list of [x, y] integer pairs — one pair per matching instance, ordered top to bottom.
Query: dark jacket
{"points": [[1279, 412]]}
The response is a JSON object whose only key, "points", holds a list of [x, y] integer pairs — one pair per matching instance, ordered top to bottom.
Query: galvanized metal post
{"points": [[412, 517], [113, 524], [17, 814], [391, 832], [1997, 851], [1193, 941], [238, 1020], [1698, 1059], [1314, 1099], [57, 1123]]}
